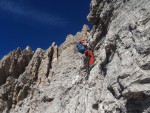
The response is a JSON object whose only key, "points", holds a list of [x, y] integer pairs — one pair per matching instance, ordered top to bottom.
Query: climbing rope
{"points": [[87, 65]]}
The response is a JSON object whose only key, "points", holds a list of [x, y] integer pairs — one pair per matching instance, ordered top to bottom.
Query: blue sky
{"points": [[38, 23]]}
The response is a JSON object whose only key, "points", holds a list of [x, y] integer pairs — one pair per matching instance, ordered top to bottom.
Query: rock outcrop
{"points": [[121, 33], [51, 81]]}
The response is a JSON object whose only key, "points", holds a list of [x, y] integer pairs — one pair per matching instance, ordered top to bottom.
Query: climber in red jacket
{"points": [[88, 53]]}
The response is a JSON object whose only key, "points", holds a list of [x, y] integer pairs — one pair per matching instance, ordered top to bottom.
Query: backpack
{"points": [[81, 48]]}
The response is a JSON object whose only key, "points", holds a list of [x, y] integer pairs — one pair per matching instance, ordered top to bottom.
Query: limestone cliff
{"points": [[51, 81]]}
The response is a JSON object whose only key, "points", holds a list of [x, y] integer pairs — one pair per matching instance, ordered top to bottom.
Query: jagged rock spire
{"points": [[85, 28], [28, 48]]}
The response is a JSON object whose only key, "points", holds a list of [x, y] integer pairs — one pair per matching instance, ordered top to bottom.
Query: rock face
{"points": [[121, 35], [14, 64], [51, 81]]}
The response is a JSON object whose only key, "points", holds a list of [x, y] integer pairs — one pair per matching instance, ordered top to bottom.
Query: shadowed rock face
{"points": [[14, 64], [50, 81]]}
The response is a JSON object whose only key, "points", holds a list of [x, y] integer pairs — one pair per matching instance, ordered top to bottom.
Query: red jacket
{"points": [[89, 53]]}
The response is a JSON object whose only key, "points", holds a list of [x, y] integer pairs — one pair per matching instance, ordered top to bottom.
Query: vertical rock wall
{"points": [[121, 29]]}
